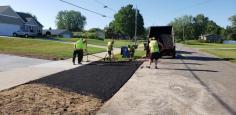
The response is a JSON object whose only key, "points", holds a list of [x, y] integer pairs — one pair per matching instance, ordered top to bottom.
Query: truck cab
{"points": [[165, 35]]}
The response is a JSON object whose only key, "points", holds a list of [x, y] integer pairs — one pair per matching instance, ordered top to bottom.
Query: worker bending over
{"points": [[79, 50], [131, 51]]}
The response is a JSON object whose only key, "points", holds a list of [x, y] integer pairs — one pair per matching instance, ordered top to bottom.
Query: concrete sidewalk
{"points": [[18, 76]]}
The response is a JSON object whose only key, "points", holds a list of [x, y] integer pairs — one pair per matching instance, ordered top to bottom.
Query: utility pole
{"points": [[135, 32], [183, 34]]}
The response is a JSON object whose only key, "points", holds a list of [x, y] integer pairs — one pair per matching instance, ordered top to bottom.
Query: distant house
{"points": [[11, 21], [58, 32], [100, 34], [211, 38]]}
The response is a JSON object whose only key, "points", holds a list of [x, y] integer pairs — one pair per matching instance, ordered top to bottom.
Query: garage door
{"points": [[8, 29], [66, 35]]}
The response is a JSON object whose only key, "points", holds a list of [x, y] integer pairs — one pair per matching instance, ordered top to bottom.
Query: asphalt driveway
{"points": [[8, 62]]}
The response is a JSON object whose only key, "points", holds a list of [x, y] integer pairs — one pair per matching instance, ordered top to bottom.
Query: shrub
{"points": [[91, 35], [192, 42]]}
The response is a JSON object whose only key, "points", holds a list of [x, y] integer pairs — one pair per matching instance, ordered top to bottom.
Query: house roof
{"points": [[3, 8], [9, 12], [9, 16], [26, 16], [10, 20], [56, 31], [206, 35]]}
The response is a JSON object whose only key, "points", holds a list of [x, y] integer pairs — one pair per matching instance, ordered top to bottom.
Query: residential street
{"points": [[194, 83]]}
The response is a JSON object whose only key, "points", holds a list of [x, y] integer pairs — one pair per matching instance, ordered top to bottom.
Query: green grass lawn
{"points": [[117, 44], [196, 44], [39, 48], [215, 49], [226, 54]]}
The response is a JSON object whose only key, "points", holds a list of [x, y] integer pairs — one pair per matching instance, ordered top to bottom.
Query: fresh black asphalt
{"points": [[99, 79]]}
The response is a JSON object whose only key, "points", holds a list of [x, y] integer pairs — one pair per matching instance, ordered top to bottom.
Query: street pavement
{"points": [[195, 83]]}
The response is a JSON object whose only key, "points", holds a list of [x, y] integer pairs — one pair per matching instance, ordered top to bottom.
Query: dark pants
{"points": [[79, 54], [155, 55]]}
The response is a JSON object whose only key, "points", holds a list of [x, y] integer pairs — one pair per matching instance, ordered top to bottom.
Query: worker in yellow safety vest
{"points": [[79, 48], [131, 49], [110, 50], [154, 51]]}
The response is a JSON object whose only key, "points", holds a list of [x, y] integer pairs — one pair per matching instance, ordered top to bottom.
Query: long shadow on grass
{"points": [[99, 79]]}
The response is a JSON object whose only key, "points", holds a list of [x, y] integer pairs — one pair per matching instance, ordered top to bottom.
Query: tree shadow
{"points": [[184, 52], [203, 58], [228, 59], [183, 63], [202, 70], [99, 79]]}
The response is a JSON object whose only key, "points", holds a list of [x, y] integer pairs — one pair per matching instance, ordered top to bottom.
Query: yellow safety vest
{"points": [[79, 44], [109, 46], [153, 46]]}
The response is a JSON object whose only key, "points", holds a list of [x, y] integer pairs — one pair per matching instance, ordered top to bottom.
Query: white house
{"points": [[11, 21], [100, 34], [211, 38]]}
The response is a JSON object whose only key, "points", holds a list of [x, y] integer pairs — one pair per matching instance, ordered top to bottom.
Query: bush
{"points": [[77, 34], [91, 35], [100, 38], [179, 40], [202, 41], [193, 42]]}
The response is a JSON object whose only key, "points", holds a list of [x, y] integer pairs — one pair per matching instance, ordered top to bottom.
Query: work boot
{"points": [[79, 63], [156, 67]]}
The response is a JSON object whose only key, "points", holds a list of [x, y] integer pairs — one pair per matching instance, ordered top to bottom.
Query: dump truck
{"points": [[164, 34]]}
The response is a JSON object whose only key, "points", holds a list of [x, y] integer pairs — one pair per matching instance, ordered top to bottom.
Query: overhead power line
{"points": [[104, 6], [83, 8]]}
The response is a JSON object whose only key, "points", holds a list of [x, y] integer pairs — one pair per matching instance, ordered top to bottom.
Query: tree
{"points": [[70, 20], [124, 21], [233, 21], [183, 24], [200, 25], [195, 26], [213, 28], [232, 29], [94, 30], [109, 32]]}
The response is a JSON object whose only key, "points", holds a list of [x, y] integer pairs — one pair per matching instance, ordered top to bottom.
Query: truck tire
{"points": [[173, 53], [173, 56]]}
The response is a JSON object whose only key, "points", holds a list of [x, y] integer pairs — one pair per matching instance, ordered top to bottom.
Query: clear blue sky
{"points": [[155, 12]]}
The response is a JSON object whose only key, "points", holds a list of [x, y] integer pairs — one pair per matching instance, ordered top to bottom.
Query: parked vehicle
{"points": [[24, 34], [165, 35]]}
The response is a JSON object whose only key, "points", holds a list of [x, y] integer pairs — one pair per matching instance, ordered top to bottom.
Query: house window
{"points": [[31, 29]]}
